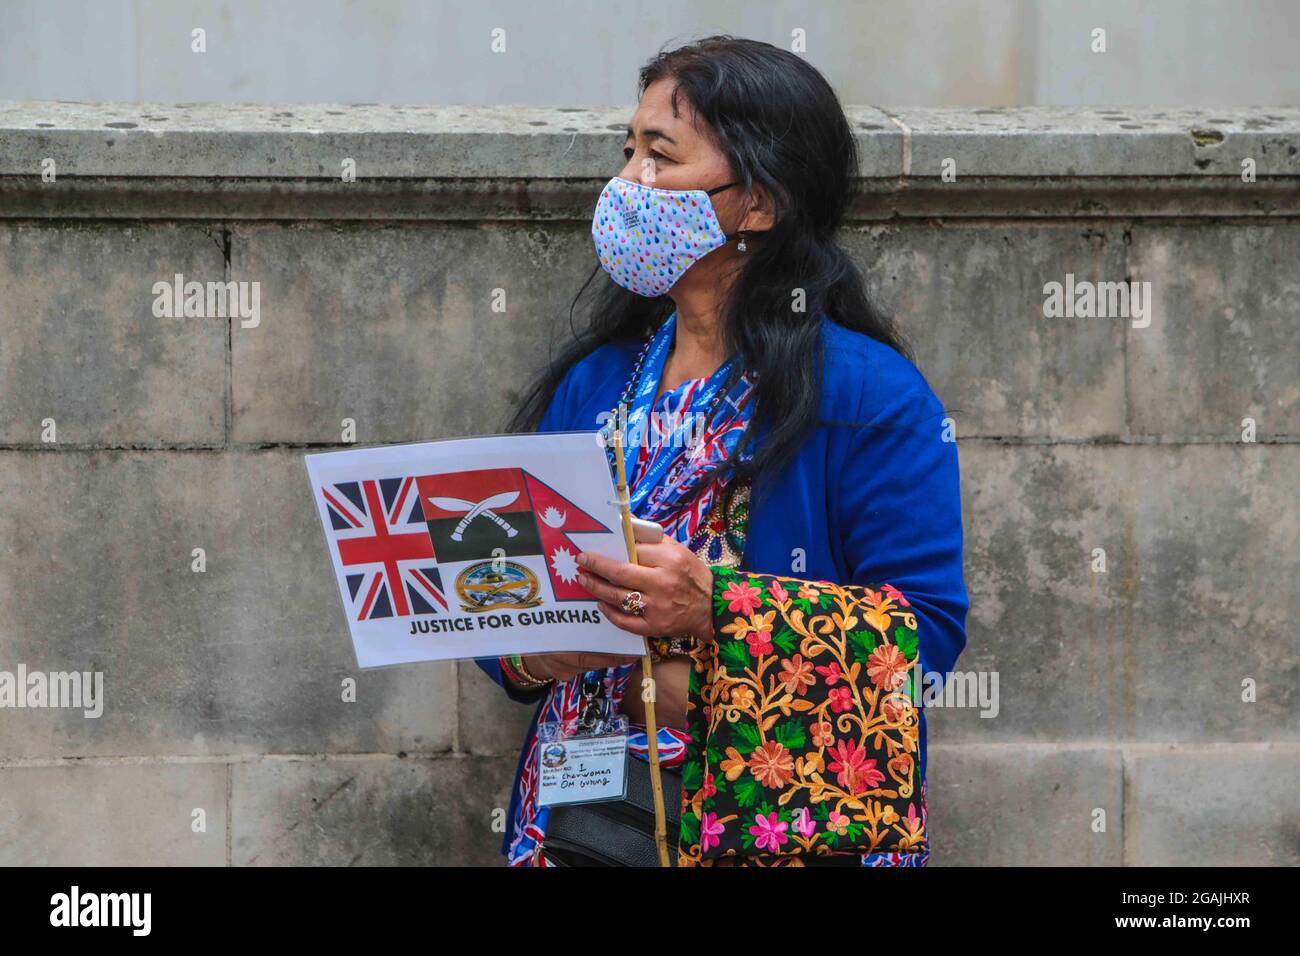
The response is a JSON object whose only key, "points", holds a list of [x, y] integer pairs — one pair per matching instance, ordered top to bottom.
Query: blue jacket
{"points": [[871, 499]]}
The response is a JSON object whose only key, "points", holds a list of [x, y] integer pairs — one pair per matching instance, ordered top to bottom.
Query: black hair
{"points": [[780, 124]]}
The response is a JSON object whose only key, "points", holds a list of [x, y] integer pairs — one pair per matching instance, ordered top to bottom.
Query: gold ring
{"points": [[633, 603]]}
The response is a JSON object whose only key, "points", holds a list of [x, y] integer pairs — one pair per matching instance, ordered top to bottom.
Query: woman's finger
{"points": [[659, 554], [631, 576], [602, 590], [628, 622]]}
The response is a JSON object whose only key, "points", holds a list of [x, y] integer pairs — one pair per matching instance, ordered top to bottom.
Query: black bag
{"points": [[616, 832], [622, 832]]}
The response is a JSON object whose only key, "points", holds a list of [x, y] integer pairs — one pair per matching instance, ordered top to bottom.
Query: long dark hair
{"points": [[780, 124]]}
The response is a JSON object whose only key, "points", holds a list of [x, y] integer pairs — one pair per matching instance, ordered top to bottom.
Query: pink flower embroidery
{"points": [[779, 594], [895, 595], [742, 598], [759, 637], [831, 672], [841, 699], [854, 772], [803, 823], [769, 831], [710, 832]]}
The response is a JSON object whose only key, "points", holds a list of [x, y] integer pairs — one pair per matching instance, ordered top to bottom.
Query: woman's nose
{"points": [[639, 169]]}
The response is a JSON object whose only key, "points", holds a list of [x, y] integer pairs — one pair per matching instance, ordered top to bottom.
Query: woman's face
{"points": [[669, 152]]}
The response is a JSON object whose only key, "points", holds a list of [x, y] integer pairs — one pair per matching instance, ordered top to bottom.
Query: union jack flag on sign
{"points": [[383, 543]]}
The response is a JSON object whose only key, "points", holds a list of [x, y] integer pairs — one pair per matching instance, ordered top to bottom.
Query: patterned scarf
{"points": [[670, 445]]}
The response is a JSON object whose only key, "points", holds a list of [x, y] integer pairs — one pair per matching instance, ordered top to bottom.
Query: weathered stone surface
{"points": [[311, 140], [1090, 141], [970, 298], [394, 328], [79, 342], [1222, 344], [1194, 599], [1215, 601], [248, 656], [490, 722], [1024, 806], [1229, 807], [378, 811], [116, 814]]}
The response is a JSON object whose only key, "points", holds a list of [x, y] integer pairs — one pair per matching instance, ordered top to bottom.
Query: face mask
{"points": [[646, 238]]}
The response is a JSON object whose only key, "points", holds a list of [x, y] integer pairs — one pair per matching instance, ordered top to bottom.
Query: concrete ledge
{"points": [[475, 163], [571, 200]]}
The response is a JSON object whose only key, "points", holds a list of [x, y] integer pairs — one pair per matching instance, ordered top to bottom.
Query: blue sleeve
{"points": [[556, 417], [553, 419], [899, 502], [492, 667]]}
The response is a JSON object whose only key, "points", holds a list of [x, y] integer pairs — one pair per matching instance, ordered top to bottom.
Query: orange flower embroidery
{"points": [[887, 667], [796, 675], [734, 764], [772, 764]]}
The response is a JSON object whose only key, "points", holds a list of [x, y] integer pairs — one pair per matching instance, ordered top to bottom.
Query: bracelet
{"points": [[662, 648], [513, 667]]}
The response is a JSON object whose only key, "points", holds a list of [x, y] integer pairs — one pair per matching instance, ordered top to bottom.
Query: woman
{"points": [[811, 568]]}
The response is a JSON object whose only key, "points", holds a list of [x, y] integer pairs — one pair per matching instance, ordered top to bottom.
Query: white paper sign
{"points": [[467, 548]]}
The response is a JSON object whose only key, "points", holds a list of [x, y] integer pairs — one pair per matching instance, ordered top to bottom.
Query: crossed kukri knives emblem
{"points": [[473, 509]]}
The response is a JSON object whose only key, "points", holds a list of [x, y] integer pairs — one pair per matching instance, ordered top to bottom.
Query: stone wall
{"points": [[1120, 690]]}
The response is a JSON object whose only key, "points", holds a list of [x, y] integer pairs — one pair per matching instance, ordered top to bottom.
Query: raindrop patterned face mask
{"points": [[646, 238]]}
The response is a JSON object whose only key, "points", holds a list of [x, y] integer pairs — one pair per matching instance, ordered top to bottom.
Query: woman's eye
{"points": [[658, 158]]}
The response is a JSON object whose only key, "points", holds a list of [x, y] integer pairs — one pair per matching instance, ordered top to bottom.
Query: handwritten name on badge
{"points": [[582, 769]]}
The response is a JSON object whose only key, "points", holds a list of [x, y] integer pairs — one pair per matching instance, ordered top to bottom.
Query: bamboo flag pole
{"points": [[651, 730]]}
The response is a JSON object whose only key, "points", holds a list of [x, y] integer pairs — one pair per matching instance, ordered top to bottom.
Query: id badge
{"points": [[581, 766]]}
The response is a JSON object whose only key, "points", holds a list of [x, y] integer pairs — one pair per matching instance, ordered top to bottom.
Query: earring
{"points": [[741, 247]]}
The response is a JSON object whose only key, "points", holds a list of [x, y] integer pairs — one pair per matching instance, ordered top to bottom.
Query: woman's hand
{"points": [[676, 586]]}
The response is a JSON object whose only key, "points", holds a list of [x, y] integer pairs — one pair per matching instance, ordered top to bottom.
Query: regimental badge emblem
{"points": [[497, 584], [554, 755]]}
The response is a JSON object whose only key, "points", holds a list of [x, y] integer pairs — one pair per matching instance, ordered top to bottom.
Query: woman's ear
{"points": [[762, 211]]}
